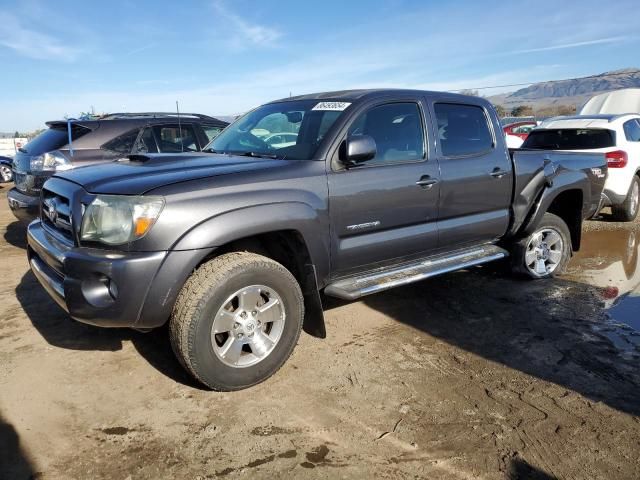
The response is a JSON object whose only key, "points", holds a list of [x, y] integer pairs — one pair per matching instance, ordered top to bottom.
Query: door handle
{"points": [[497, 173], [426, 182]]}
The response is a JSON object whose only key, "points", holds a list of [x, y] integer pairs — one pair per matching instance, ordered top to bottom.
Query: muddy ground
{"points": [[471, 375]]}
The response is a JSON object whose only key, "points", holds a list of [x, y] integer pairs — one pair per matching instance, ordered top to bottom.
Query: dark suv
{"points": [[68, 144]]}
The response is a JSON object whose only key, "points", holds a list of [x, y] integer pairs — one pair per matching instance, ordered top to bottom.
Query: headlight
{"points": [[52, 161], [115, 219]]}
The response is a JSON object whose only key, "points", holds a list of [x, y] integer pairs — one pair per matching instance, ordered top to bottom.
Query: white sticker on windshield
{"points": [[332, 106]]}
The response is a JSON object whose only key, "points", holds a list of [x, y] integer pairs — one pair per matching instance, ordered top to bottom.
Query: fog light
{"points": [[99, 290]]}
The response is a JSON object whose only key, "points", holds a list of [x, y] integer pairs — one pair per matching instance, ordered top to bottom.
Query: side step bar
{"points": [[355, 287]]}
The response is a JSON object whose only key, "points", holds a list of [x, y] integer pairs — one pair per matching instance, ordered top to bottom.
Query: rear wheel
{"points": [[628, 210], [546, 252], [237, 320]]}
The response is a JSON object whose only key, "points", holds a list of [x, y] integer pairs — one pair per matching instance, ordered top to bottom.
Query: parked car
{"points": [[520, 129], [617, 136], [102, 140], [513, 141], [6, 174], [232, 249]]}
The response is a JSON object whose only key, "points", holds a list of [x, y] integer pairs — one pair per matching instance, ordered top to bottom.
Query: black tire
{"points": [[628, 210], [519, 250], [201, 299]]}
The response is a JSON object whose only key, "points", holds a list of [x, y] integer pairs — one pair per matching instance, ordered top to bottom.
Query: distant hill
{"points": [[568, 92]]}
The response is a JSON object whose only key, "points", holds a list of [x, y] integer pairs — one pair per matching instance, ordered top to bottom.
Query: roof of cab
{"points": [[364, 94]]}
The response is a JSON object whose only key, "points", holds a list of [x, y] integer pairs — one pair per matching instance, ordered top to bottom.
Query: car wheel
{"points": [[5, 173], [628, 211], [546, 252], [237, 320]]}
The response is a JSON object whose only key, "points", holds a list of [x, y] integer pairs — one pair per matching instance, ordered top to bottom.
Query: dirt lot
{"points": [[470, 375]]}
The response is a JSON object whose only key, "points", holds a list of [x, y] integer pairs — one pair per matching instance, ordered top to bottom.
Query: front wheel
{"points": [[6, 175], [628, 210], [546, 252], [236, 320]]}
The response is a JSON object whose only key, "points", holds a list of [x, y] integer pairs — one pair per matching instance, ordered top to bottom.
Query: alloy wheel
{"points": [[544, 252], [248, 326]]}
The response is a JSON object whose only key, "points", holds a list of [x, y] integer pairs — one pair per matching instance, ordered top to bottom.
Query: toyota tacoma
{"points": [[233, 246]]}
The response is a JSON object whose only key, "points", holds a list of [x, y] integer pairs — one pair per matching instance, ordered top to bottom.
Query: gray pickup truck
{"points": [[362, 191]]}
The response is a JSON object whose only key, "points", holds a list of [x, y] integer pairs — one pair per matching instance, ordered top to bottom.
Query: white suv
{"points": [[617, 136]]}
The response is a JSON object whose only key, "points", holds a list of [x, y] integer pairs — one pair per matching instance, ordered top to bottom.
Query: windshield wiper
{"points": [[242, 154], [256, 155]]}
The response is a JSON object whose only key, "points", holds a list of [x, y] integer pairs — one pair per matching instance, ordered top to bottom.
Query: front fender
{"points": [[258, 219], [203, 239]]}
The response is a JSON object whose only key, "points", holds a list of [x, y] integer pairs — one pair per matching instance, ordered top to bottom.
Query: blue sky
{"points": [[223, 57]]}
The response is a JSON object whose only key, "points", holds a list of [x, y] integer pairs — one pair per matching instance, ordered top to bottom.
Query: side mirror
{"points": [[360, 148]]}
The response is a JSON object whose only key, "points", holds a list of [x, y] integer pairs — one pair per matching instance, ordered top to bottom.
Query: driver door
{"points": [[385, 209]]}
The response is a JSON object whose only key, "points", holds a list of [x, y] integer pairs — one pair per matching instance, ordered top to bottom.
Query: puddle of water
{"points": [[610, 260], [627, 311]]}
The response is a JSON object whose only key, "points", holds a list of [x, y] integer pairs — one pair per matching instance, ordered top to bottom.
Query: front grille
{"points": [[20, 181], [29, 184], [56, 213]]}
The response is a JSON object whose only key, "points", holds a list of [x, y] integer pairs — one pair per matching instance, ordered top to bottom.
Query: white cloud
{"points": [[243, 32], [597, 41], [33, 44], [135, 51]]}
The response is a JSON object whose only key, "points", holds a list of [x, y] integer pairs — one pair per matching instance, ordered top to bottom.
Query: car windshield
{"points": [[286, 130], [570, 139]]}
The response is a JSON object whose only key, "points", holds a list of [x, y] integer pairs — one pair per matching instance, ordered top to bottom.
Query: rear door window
{"points": [[462, 129], [632, 130], [211, 132], [175, 138], [53, 139], [570, 139], [124, 143], [146, 143]]}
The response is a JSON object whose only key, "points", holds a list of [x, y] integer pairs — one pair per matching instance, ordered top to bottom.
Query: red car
{"points": [[520, 129]]}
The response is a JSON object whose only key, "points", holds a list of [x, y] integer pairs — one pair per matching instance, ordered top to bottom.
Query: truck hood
{"points": [[140, 174]]}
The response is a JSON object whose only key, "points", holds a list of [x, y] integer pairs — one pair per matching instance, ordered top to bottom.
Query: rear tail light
{"points": [[617, 159]]}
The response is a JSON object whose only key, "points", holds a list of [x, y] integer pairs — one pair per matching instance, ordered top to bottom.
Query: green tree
{"points": [[501, 111], [522, 111], [17, 134]]}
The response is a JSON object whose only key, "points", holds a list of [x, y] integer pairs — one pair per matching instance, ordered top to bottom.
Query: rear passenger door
{"points": [[476, 175], [386, 208]]}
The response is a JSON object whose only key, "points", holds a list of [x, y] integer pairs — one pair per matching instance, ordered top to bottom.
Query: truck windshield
{"points": [[286, 130], [570, 139]]}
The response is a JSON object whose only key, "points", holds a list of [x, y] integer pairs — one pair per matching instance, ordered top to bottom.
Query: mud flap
{"points": [[313, 323]]}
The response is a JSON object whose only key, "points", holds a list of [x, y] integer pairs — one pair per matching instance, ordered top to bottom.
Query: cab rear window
{"points": [[570, 139]]}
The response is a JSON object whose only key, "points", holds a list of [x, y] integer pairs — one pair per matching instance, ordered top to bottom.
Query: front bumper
{"points": [[26, 208], [99, 287]]}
